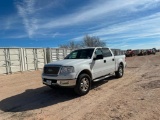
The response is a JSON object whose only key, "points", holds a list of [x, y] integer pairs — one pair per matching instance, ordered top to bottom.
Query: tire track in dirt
{"points": [[123, 87], [111, 89], [92, 96]]}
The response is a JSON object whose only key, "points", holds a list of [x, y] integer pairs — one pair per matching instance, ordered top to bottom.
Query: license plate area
{"points": [[48, 82]]}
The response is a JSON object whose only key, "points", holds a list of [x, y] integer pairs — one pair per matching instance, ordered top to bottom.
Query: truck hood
{"points": [[69, 62]]}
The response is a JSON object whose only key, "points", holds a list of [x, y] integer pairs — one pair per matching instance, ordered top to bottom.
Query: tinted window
{"points": [[98, 51], [106, 52], [80, 54]]}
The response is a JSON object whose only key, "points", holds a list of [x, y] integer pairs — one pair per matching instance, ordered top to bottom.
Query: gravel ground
{"points": [[136, 96]]}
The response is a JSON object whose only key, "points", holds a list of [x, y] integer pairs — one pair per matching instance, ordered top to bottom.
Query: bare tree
{"points": [[88, 41], [92, 41], [71, 45], [64, 46]]}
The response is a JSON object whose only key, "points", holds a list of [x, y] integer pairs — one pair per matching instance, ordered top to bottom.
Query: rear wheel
{"points": [[120, 72], [83, 84]]}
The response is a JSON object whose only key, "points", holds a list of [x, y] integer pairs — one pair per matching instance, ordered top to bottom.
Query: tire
{"points": [[120, 72], [83, 84], [52, 87]]}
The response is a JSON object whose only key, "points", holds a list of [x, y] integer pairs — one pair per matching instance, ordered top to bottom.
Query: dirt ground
{"points": [[136, 96]]}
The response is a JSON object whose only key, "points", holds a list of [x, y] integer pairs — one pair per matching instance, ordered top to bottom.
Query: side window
{"points": [[98, 51], [106, 52], [83, 54], [73, 55]]}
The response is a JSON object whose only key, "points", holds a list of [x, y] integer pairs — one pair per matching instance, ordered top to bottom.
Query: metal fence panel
{"points": [[68, 51], [116, 51], [123, 52], [29, 54], [54, 54], [60, 54], [14, 57], [41, 58], [21, 59], [3, 65]]}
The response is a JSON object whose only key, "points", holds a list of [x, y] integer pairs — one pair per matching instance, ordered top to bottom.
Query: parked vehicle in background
{"points": [[154, 49], [151, 51], [142, 52], [130, 53], [82, 67]]}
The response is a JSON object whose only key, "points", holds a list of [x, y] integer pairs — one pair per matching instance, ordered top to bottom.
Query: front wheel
{"points": [[120, 72], [83, 84]]}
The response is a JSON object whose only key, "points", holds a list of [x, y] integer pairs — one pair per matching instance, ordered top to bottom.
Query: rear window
{"points": [[106, 52]]}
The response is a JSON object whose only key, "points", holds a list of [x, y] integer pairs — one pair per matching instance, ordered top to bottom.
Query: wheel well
{"points": [[121, 64], [86, 72]]}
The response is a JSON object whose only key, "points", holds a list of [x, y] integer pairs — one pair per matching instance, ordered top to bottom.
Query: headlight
{"points": [[67, 69]]}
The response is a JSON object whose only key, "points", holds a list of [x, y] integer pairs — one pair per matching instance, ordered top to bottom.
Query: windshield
{"points": [[81, 54]]}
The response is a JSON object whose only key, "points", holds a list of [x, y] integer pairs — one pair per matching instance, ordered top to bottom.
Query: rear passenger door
{"points": [[109, 61]]}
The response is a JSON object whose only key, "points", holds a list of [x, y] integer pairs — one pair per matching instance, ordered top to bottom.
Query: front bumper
{"points": [[68, 80], [62, 83]]}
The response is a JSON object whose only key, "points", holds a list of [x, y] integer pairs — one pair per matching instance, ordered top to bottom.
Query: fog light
{"points": [[64, 82]]}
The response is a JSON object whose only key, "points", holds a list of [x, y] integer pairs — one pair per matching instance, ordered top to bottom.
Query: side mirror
{"points": [[98, 57]]}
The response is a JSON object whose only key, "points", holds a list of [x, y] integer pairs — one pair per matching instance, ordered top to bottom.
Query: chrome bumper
{"points": [[63, 83]]}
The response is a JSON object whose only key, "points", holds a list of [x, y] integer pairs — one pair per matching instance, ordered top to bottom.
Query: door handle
{"points": [[113, 59], [104, 61]]}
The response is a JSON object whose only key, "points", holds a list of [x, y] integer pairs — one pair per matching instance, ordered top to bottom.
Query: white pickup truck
{"points": [[81, 67]]}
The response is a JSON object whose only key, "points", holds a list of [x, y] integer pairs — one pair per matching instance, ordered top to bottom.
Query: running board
{"points": [[98, 79]]}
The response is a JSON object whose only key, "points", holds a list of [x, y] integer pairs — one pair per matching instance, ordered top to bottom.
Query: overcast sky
{"points": [[49, 23]]}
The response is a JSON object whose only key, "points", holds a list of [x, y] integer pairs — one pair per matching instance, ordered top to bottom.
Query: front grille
{"points": [[51, 70]]}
